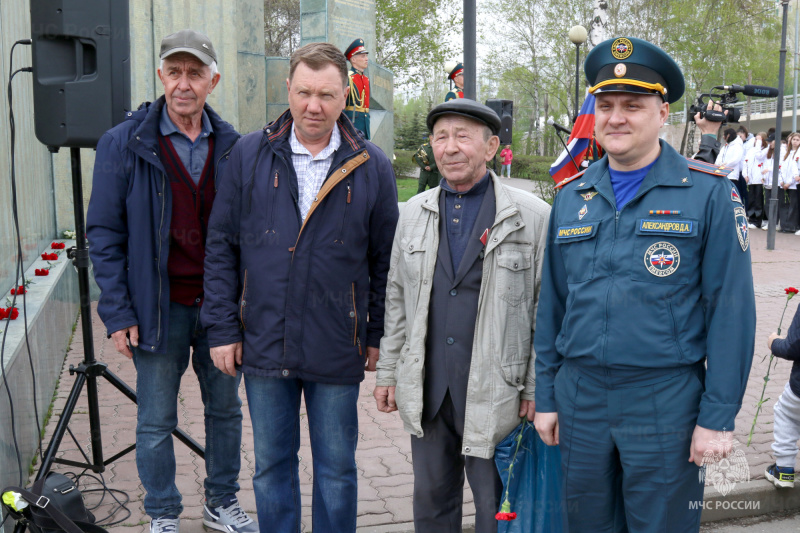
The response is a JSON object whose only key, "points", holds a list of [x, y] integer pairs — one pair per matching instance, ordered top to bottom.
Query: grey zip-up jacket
{"points": [[502, 370]]}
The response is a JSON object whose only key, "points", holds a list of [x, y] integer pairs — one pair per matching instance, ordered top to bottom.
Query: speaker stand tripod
{"points": [[87, 372]]}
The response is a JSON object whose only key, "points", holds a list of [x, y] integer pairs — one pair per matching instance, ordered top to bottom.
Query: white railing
{"points": [[760, 105]]}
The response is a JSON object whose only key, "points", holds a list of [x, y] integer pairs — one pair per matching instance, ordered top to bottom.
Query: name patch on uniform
{"points": [[679, 227], [574, 232], [662, 259]]}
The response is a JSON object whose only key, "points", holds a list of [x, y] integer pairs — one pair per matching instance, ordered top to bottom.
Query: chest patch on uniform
{"points": [[735, 196], [582, 212], [666, 226], [741, 227], [575, 232], [662, 259]]}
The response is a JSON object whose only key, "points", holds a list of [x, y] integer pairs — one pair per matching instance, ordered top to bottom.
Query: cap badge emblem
{"points": [[621, 48], [620, 70]]}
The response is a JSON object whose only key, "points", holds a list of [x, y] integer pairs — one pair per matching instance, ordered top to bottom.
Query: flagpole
{"points": [[558, 134]]}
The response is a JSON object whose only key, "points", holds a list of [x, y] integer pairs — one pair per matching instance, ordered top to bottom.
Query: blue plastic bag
{"points": [[534, 490]]}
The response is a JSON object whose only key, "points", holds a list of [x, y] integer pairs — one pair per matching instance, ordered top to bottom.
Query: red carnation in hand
{"points": [[790, 291], [505, 516]]}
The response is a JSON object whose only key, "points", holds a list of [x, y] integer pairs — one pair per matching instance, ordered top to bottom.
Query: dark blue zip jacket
{"points": [[128, 222], [664, 282], [305, 299], [789, 348]]}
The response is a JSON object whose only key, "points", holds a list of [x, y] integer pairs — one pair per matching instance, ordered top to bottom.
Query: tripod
{"points": [[87, 372]]}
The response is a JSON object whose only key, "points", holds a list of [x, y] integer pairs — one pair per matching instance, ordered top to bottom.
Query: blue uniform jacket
{"points": [[128, 222], [629, 289], [299, 295]]}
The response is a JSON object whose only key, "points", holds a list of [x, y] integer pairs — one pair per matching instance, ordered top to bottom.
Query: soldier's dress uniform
{"points": [[458, 92], [357, 105], [424, 158], [635, 303]]}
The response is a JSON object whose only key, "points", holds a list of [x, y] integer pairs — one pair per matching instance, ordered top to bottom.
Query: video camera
{"points": [[729, 113]]}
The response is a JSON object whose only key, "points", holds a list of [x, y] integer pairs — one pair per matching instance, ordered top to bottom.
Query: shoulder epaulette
{"points": [[709, 168], [567, 180]]}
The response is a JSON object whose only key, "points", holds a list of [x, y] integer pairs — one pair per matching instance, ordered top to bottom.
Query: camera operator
{"points": [[709, 145]]}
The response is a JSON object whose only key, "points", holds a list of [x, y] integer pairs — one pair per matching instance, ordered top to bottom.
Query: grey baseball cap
{"points": [[189, 41]]}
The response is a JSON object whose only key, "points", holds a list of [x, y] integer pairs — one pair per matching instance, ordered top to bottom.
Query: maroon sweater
{"points": [[191, 208]]}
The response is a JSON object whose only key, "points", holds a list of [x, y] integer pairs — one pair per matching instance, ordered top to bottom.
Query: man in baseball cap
{"points": [[154, 186], [461, 374]]}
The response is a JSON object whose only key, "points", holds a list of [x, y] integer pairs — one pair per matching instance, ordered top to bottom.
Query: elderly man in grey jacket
{"points": [[457, 357]]}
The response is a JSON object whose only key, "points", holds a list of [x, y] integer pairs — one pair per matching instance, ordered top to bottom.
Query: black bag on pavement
{"points": [[55, 506]]}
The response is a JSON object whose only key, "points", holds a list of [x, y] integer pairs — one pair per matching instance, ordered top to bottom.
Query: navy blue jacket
{"points": [[128, 222], [634, 289], [306, 303], [789, 348]]}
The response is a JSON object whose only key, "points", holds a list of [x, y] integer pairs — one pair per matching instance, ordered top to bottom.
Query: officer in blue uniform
{"points": [[646, 319]]}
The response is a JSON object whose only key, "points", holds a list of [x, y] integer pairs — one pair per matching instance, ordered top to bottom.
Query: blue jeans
{"points": [[505, 169], [157, 382], [333, 427]]}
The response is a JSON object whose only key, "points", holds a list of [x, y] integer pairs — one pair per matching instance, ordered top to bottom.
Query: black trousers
{"points": [[755, 204], [788, 210], [439, 477]]}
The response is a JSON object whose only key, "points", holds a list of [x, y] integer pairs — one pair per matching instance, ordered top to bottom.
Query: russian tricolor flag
{"points": [[577, 144]]}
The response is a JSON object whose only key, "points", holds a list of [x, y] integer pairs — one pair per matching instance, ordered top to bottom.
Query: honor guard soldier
{"points": [[456, 76], [357, 107], [428, 171], [646, 319]]}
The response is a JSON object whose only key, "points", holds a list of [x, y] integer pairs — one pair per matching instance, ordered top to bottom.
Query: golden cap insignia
{"points": [[621, 48], [620, 70], [589, 195]]}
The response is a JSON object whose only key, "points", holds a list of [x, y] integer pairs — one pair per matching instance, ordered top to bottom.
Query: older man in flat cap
{"points": [[154, 185], [646, 319], [456, 358]]}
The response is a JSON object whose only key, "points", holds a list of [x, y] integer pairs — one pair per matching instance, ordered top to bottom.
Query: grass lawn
{"points": [[406, 188]]}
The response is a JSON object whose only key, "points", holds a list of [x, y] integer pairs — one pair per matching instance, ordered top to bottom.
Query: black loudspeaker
{"points": [[81, 69], [504, 110]]}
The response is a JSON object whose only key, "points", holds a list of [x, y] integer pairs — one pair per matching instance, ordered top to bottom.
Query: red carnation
{"points": [[57, 246], [42, 272], [19, 290], [790, 291], [14, 313], [505, 516]]}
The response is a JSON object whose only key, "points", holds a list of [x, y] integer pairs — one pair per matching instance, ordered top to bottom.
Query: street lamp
{"points": [[578, 36]]}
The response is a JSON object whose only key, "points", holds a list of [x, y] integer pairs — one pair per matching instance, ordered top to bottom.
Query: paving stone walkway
{"points": [[384, 455]]}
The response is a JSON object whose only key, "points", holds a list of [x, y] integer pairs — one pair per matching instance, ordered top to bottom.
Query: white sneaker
{"points": [[751, 226], [765, 227], [797, 232], [231, 519], [165, 524]]}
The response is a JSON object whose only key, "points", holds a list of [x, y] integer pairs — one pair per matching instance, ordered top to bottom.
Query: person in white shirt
{"points": [[732, 155], [766, 175], [789, 176], [755, 180]]}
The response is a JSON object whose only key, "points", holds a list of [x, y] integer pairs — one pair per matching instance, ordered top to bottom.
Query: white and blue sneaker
{"points": [[231, 519], [165, 524]]}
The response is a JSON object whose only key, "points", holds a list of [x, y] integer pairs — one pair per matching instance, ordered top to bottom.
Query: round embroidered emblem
{"points": [[622, 48], [662, 259]]}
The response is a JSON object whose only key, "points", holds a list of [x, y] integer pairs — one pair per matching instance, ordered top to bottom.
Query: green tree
{"points": [[412, 37]]}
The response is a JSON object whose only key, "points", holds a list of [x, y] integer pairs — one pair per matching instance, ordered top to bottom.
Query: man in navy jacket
{"points": [[154, 184], [298, 254]]}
